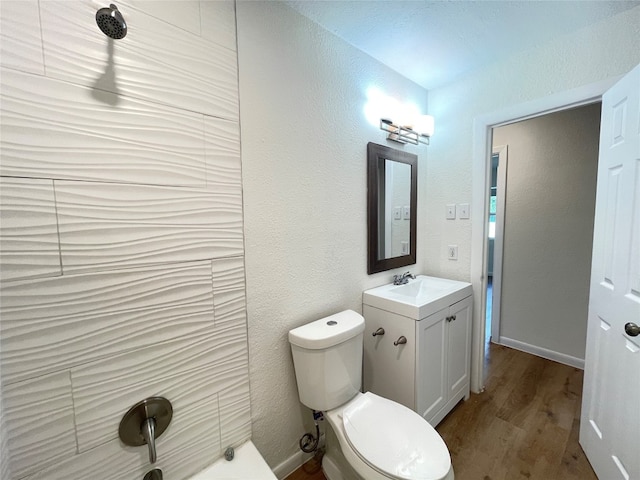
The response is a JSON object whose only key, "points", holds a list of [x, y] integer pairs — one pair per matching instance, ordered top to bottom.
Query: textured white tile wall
{"points": [[20, 36], [157, 61], [55, 129], [110, 225], [28, 227], [121, 237], [40, 422], [5, 467]]}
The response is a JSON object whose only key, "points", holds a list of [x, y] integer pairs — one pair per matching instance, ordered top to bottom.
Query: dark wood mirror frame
{"points": [[376, 156]]}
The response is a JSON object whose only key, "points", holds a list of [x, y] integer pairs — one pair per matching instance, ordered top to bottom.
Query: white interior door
{"points": [[610, 423]]}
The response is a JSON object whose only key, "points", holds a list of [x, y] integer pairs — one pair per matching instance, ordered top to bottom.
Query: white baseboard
{"points": [[543, 352], [290, 464]]}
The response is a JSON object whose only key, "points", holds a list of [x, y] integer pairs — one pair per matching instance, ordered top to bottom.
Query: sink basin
{"points": [[419, 298]]}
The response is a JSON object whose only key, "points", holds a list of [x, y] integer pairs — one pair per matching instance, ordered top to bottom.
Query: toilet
{"points": [[377, 439]]}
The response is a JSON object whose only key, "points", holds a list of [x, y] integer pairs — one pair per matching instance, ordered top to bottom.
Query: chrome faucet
{"points": [[403, 278]]}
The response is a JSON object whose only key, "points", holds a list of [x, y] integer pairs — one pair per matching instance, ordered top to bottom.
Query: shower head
{"points": [[111, 22]]}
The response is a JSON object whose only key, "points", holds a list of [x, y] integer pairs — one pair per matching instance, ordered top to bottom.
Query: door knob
{"points": [[632, 329], [379, 331], [401, 341]]}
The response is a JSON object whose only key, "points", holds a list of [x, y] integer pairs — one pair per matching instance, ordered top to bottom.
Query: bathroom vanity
{"points": [[417, 344]]}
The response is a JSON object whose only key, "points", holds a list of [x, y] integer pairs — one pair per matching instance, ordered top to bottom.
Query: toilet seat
{"points": [[394, 440]]}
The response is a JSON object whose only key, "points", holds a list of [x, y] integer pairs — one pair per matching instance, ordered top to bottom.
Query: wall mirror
{"points": [[391, 207]]}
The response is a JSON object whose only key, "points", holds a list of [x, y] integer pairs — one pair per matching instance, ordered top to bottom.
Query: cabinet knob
{"points": [[451, 318], [379, 331], [401, 341]]}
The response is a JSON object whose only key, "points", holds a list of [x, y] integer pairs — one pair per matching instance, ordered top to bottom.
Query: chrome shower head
{"points": [[111, 22]]}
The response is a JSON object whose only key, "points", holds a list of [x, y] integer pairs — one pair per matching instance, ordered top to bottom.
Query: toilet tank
{"points": [[327, 356]]}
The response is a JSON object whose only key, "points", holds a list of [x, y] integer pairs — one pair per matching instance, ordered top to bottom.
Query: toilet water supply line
{"points": [[309, 443]]}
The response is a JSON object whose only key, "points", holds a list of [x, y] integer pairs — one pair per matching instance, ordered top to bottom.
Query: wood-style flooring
{"points": [[524, 426]]}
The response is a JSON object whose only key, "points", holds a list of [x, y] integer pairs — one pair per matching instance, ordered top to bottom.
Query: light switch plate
{"points": [[463, 210], [451, 211], [406, 212]]}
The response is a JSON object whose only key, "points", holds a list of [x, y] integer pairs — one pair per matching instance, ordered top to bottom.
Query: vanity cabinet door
{"points": [[459, 348], [388, 369], [431, 388]]}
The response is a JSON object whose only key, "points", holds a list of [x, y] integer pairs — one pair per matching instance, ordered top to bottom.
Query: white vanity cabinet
{"points": [[430, 372]]}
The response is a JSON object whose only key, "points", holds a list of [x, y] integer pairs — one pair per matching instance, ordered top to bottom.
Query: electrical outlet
{"points": [[452, 252]]}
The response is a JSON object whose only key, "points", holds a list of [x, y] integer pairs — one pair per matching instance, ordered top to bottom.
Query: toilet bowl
{"points": [[378, 439], [382, 440]]}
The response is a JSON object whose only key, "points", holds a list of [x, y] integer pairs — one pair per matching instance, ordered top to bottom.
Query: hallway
{"points": [[524, 426]]}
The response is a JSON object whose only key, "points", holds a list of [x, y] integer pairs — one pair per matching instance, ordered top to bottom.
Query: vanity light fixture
{"points": [[414, 134]]}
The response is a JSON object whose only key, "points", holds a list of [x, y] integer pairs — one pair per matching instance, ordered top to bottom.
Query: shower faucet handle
{"points": [[144, 422], [149, 433]]}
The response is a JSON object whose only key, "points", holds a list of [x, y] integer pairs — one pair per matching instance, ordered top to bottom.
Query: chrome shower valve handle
{"points": [[145, 422], [149, 433]]}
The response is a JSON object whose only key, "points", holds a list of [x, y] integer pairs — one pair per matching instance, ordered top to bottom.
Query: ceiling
{"points": [[434, 42]]}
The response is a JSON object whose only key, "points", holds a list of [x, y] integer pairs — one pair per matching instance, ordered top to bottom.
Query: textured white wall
{"points": [[607, 49], [304, 144], [550, 202], [121, 236], [5, 465]]}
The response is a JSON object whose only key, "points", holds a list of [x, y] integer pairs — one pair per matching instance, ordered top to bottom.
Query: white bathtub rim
{"points": [[247, 464]]}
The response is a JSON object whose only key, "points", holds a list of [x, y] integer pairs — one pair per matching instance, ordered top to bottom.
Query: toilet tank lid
{"points": [[328, 331]]}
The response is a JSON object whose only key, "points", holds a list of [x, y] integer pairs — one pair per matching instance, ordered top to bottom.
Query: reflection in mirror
{"points": [[392, 199], [397, 209]]}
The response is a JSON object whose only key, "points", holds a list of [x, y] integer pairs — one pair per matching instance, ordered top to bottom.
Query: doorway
{"points": [[483, 126], [548, 195]]}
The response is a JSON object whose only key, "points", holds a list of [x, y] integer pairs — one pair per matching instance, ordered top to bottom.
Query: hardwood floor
{"points": [[524, 426], [312, 470]]}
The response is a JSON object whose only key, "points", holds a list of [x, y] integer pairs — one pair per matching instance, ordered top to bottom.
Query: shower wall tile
{"points": [[184, 14], [218, 22], [20, 37], [157, 61], [53, 129], [222, 153], [112, 226], [28, 229], [121, 236], [229, 290], [56, 323], [101, 398], [235, 413], [39, 425], [187, 446], [5, 456], [112, 459]]}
